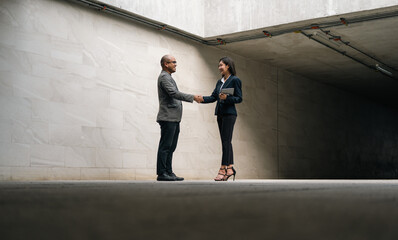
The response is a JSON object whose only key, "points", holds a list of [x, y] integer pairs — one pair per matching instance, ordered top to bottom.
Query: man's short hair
{"points": [[164, 59]]}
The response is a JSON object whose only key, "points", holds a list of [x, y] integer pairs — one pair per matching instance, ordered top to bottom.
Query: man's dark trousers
{"points": [[167, 146]]}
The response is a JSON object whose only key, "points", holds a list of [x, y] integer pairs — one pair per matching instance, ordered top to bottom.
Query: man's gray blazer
{"points": [[170, 106]]}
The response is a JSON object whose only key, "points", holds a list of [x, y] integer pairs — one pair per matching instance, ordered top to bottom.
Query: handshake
{"points": [[198, 98]]}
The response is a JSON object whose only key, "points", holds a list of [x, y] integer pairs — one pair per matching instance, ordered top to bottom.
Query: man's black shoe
{"points": [[165, 177], [175, 177]]}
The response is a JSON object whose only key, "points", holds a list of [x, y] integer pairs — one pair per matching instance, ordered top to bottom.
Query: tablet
{"points": [[228, 91]]}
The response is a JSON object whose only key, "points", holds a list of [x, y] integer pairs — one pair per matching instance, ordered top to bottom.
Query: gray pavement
{"points": [[250, 209]]}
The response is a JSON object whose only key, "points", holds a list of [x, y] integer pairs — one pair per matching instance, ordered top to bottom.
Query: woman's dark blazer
{"points": [[227, 106]]}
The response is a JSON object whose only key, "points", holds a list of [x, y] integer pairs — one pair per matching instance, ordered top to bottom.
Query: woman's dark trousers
{"points": [[226, 125]]}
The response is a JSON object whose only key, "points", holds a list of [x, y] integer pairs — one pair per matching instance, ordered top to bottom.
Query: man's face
{"points": [[171, 65]]}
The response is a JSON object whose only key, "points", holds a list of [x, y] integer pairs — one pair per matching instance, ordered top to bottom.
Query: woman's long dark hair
{"points": [[229, 62]]}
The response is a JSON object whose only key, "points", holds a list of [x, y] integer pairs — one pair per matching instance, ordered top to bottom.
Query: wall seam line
{"points": [[277, 121]]}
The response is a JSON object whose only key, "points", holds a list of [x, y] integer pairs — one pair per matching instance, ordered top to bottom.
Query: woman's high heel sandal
{"points": [[220, 176], [226, 176]]}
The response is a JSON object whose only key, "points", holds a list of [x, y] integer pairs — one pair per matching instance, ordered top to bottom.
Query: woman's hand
{"points": [[223, 96]]}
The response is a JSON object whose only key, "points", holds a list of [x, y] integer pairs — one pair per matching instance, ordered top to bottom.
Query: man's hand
{"points": [[198, 98]]}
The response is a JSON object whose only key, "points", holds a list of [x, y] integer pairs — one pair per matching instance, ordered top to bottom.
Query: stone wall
{"points": [[79, 99]]}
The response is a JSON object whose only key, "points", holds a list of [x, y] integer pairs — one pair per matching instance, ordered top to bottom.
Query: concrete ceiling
{"points": [[371, 39], [299, 54]]}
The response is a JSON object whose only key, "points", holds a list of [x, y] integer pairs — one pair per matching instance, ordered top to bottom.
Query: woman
{"points": [[226, 113]]}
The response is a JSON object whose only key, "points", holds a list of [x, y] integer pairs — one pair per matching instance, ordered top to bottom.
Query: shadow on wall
{"points": [[329, 133]]}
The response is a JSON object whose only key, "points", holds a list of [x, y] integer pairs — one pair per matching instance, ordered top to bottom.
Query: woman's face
{"points": [[223, 68]]}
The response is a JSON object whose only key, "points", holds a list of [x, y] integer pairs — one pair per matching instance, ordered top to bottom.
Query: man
{"points": [[169, 117]]}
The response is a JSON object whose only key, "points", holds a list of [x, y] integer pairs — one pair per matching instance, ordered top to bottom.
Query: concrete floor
{"points": [[266, 209]]}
